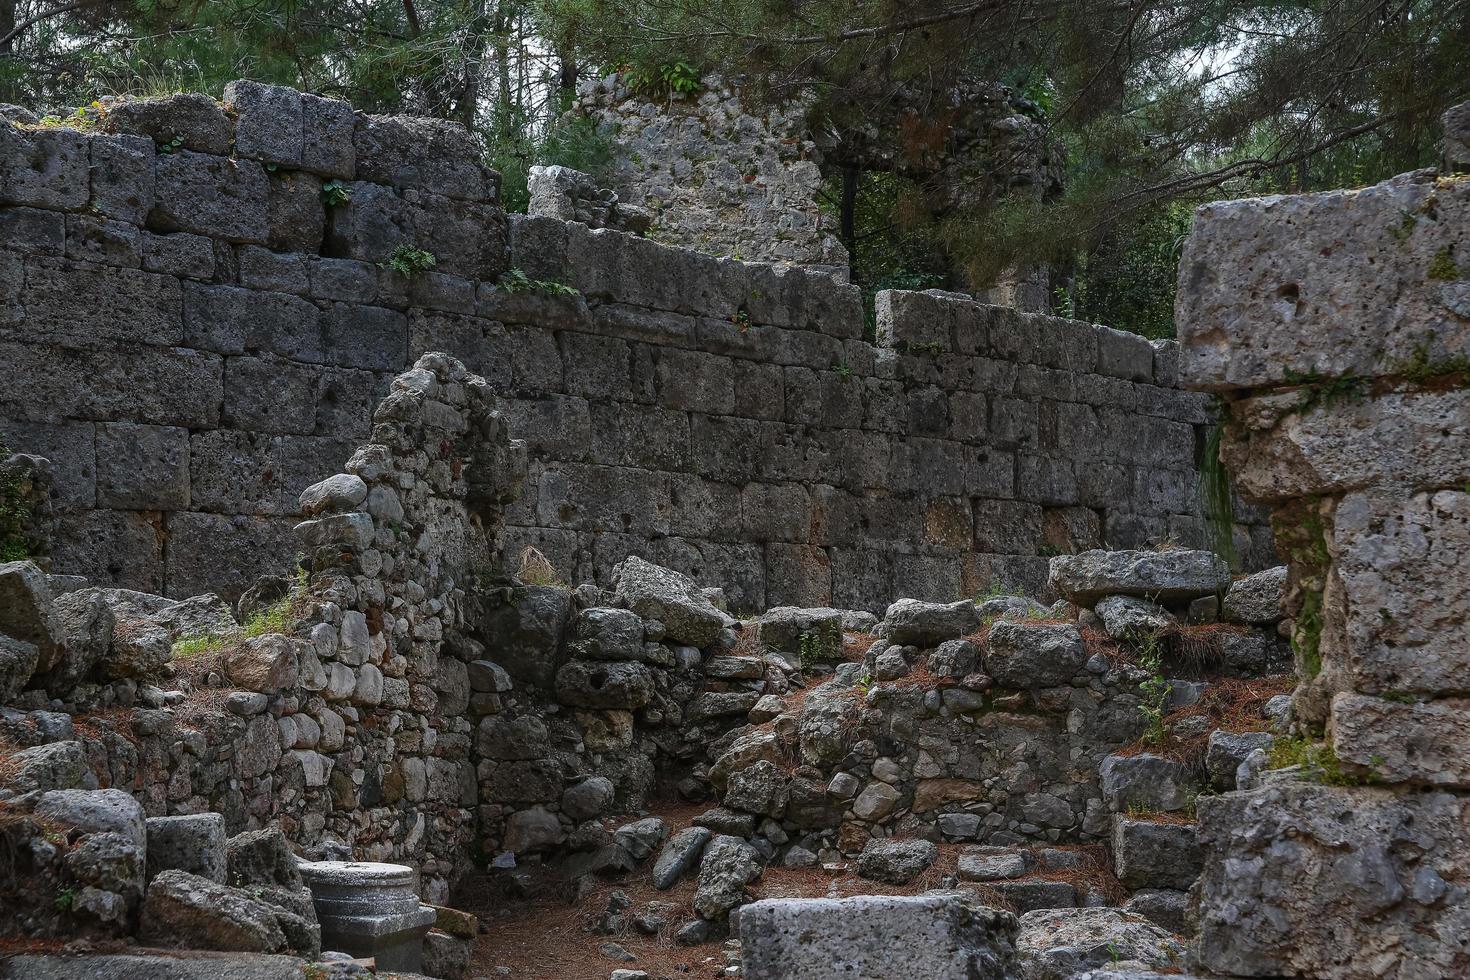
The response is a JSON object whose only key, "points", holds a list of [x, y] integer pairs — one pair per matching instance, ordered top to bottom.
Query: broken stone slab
{"points": [[1169, 576], [669, 597], [1256, 599], [911, 622], [1027, 655], [1227, 750], [1147, 782], [193, 842], [1149, 854], [679, 856], [261, 857], [896, 862], [991, 863], [728, 865], [1302, 879], [1028, 895], [370, 909], [186, 910], [875, 937], [1057, 944]]}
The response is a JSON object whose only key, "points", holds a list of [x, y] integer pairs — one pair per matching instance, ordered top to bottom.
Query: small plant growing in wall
{"points": [[675, 78], [335, 193], [410, 260], [516, 281], [15, 514], [1155, 692]]}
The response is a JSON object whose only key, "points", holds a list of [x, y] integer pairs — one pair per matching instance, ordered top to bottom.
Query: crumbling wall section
{"points": [[202, 304], [1338, 325]]}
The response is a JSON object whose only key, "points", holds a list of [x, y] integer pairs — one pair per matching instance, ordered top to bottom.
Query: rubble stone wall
{"points": [[199, 308], [1337, 326]]}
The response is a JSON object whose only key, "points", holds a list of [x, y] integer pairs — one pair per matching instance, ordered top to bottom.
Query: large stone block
{"points": [[189, 120], [268, 121], [414, 151], [46, 168], [122, 177], [211, 195], [1277, 288], [83, 304], [230, 320], [161, 386], [70, 446], [142, 467], [261, 546], [122, 548], [1163, 576], [1029, 656], [1419, 742], [194, 843], [1147, 854], [1334, 882], [876, 937]]}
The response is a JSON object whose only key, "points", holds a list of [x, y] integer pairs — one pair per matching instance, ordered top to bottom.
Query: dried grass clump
{"points": [[537, 569]]}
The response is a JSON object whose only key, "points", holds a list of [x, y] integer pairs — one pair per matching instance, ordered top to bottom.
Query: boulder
{"points": [[1169, 576], [660, 593], [1256, 599], [25, 606], [1129, 617], [911, 622], [83, 627], [783, 627], [608, 634], [1033, 656], [954, 658], [17, 664], [265, 664], [606, 684], [1227, 750], [58, 765], [1146, 782], [758, 788], [587, 799], [876, 801], [93, 811], [536, 829], [641, 837], [194, 843], [1147, 854], [679, 856], [261, 857], [896, 862], [991, 863], [728, 865], [106, 872], [1165, 907], [191, 912], [876, 938], [1056, 944], [446, 957]]}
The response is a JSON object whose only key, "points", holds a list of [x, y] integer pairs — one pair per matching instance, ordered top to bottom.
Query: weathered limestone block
{"points": [[186, 119], [268, 121], [45, 168], [211, 195], [1261, 301], [1278, 450], [1174, 575], [669, 597], [1256, 599], [911, 622], [1032, 656], [605, 684], [1418, 742], [1147, 781], [194, 843], [1147, 854], [896, 862], [728, 865], [1291, 869], [878, 937], [1058, 944]]}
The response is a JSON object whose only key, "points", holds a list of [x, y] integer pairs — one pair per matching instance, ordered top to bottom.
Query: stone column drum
{"points": [[370, 909]]}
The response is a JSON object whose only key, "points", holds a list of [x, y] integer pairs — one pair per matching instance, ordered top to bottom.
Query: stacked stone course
{"points": [[198, 318], [1337, 325]]}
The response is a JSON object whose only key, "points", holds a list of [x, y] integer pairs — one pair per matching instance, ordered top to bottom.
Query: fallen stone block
{"points": [[1172, 576], [193, 842], [1147, 854], [896, 862], [191, 912], [876, 938], [1058, 944]]}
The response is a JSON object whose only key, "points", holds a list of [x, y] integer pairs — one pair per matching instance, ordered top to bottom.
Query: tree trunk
{"points": [[846, 220]]}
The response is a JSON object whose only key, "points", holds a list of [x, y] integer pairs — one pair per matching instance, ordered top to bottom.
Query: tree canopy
{"points": [[1144, 107]]}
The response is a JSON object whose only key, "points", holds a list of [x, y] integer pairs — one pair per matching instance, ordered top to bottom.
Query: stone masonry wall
{"points": [[199, 312], [1338, 324]]}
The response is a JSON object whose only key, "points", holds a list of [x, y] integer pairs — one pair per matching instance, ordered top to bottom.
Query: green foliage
{"points": [[669, 79], [335, 193], [410, 260], [1443, 266], [1127, 280], [516, 281], [1419, 367], [1317, 390], [1218, 498], [15, 515], [277, 617], [819, 646], [1154, 691], [1318, 761], [66, 898]]}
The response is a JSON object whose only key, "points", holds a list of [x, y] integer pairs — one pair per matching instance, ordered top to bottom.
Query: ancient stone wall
{"points": [[717, 175], [201, 305], [1337, 326]]}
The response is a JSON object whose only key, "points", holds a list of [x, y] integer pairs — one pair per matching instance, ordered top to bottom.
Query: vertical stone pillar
{"points": [[1337, 328]]}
